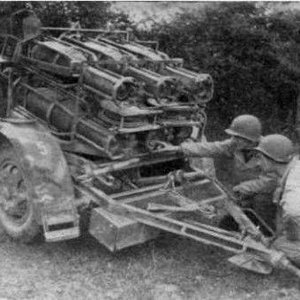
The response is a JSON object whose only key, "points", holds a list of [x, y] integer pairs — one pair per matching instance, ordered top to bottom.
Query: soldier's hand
{"points": [[163, 146], [242, 190]]}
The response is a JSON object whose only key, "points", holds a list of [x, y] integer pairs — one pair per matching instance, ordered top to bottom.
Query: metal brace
{"points": [[170, 184], [183, 205]]}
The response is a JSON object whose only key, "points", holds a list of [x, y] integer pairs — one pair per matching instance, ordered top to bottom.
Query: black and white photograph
{"points": [[149, 150]]}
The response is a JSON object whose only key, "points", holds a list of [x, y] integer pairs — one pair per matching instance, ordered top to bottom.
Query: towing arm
{"points": [[137, 205]]}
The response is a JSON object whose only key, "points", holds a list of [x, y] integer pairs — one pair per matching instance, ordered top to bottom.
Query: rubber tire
{"points": [[3, 100], [30, 229]]}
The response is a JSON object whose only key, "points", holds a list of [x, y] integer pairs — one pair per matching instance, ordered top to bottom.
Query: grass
{"points": [[170, 267]]}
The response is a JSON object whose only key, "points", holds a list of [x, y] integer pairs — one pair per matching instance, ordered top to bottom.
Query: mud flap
{"points": [[59, 225], [252, 263]]}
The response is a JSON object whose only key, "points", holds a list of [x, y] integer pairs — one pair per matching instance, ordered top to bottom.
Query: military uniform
{"points": [[245, 128], [245, 131], [276, 154], [244, 166], [242, 171], [287, 197]]}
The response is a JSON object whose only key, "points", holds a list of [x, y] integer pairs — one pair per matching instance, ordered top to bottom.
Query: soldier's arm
{"points": [[208, 149], [263, 184], [290, 201], [291, 212]]}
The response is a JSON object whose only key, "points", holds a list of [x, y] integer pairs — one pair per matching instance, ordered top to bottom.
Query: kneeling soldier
{"points": [[245, 134], [275, 155]]}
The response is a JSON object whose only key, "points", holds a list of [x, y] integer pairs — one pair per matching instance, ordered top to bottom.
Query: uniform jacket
{"points": [[244, 167], [287, 194]]}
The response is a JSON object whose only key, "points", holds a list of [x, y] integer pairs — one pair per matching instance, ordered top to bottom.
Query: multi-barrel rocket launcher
{"points": [[171, 85], [137, 105], [83, 115]]}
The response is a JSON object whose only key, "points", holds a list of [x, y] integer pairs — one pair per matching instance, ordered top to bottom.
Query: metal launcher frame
{"points": [[181, 200]]}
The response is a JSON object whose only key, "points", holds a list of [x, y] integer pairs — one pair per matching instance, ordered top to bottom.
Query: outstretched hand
{"points": [[161, 146], [242, 190]]}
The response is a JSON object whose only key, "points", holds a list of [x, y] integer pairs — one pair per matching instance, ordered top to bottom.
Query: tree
{"points": [[60, 14], [90, 14], [248, 51]]}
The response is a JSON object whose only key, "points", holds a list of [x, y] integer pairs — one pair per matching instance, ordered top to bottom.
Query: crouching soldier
{"points": [[245, 134], [275, 155]]}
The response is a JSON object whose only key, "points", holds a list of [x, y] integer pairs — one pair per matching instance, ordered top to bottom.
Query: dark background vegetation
{"points": [[251, 52]]}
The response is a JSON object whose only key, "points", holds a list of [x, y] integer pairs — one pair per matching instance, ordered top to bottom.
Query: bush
{"points": [[249, 52]]}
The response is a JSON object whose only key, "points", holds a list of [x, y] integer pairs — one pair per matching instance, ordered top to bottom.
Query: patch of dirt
{"points": [[170, 267]]}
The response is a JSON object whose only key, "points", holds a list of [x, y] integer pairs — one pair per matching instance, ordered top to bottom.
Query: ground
{"points": [[170, 267]]}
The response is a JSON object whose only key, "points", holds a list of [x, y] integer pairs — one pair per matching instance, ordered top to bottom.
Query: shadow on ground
{"points": [[170, 267]]}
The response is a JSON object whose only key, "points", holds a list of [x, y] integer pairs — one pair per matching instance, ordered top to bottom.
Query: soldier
{"points": [[245, 133], [275, 155]]}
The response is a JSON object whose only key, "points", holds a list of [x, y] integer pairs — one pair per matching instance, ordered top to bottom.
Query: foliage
{"points": [[90, 14], [250, 52]]}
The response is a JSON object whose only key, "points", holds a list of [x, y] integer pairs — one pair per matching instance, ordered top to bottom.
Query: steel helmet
{"points": [[245, 126], [277, 147]]}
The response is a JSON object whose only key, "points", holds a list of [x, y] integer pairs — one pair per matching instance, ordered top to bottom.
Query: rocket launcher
{"points": [[115, 59], [198, 87]]}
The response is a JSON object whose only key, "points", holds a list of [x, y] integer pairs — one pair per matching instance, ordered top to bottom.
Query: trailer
{"points": [[81, 113]]}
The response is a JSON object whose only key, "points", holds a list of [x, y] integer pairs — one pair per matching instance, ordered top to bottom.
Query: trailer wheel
{"points": [[3, 100], [16, 207]]}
